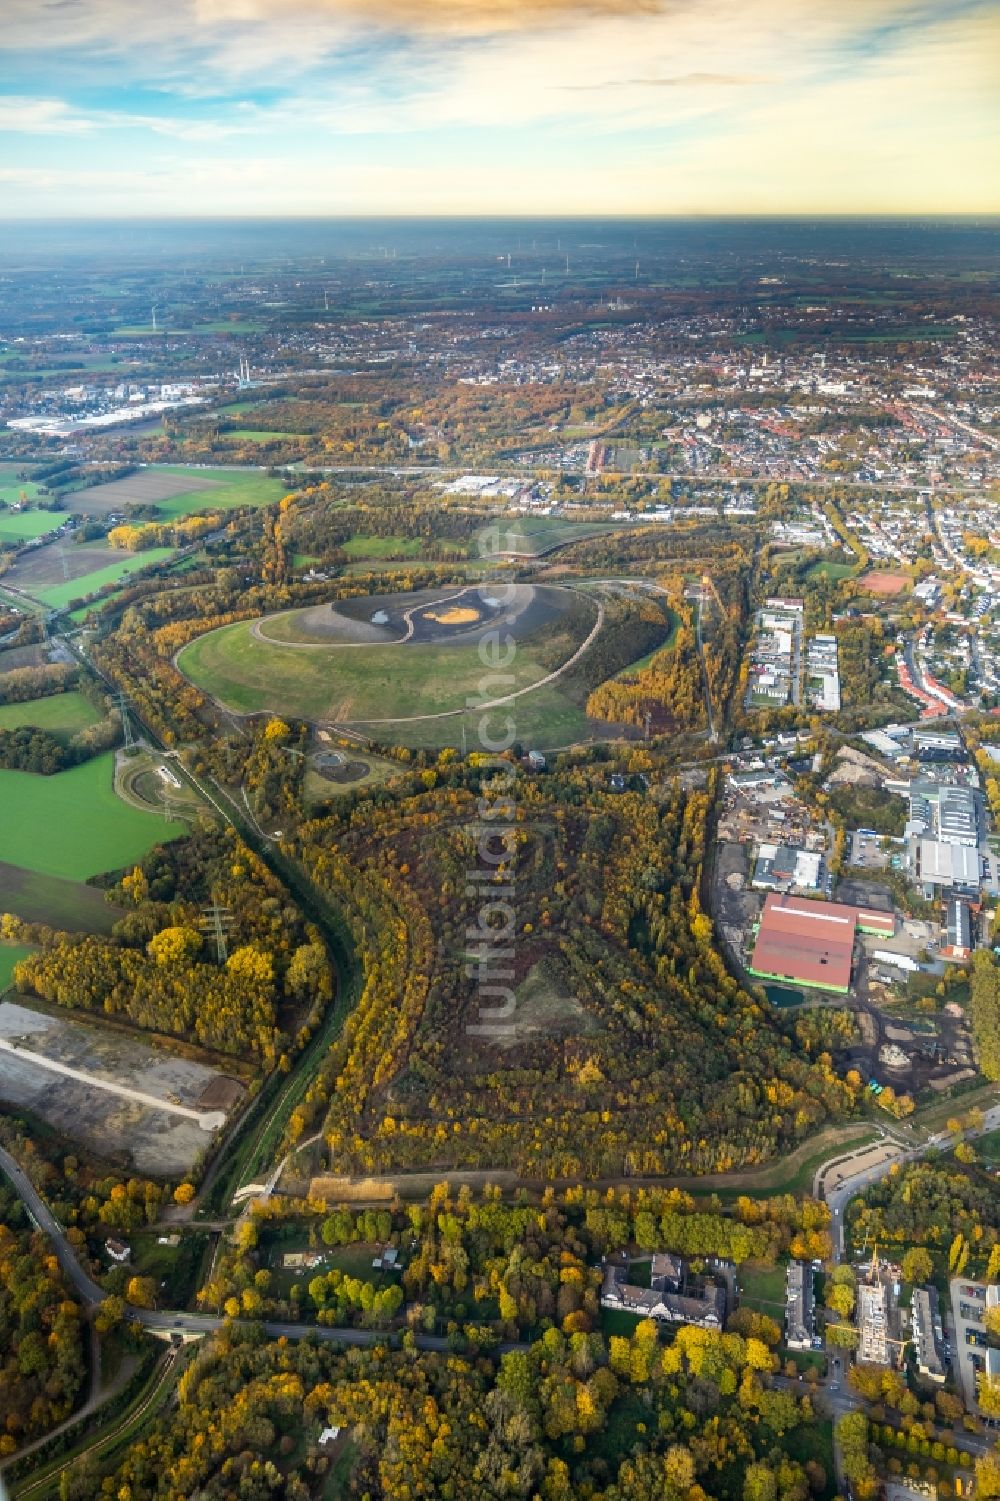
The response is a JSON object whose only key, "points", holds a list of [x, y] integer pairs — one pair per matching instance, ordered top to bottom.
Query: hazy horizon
{"points": [[471, 107]]}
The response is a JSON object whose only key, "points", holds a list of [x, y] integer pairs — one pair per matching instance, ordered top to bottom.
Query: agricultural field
{"points": [[12, 487], [216, 489], [179, 490], [18, 527], [60, 572], [16, 657], [61, 713], [72, 825], [70, 906], [95, 1104]]}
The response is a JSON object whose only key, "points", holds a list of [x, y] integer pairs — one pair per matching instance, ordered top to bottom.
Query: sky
{"points": [[326, 107]]}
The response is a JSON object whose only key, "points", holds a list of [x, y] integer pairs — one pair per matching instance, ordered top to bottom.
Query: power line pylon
{"points": [[121, 704], [215, 921]]}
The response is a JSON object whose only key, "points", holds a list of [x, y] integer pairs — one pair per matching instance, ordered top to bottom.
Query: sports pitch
{"points": [[72, 825]]}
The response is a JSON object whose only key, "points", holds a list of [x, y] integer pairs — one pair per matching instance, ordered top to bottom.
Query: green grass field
{"points": [[12, 488], [229, 488], [20, 526], [533, 535], [361, 546], [832, 571], [56, 595], [82, 611], [343, 683], [415, 695], [62, 713], [73, 825], [69, 906], [10, 953], [763, 1288]]}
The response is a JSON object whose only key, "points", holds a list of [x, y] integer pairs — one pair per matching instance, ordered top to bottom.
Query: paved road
{"points": [[841, 1195], [44, 1219], [168, 1322]]}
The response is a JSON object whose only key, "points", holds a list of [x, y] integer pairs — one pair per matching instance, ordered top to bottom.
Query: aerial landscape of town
{"points": [[499, 751], [499, 861]]}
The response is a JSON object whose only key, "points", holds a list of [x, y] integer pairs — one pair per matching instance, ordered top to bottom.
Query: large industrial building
{"points": [[950, 865], [812, 943]]}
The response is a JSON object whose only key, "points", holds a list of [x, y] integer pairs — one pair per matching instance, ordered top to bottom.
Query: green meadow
{"points": [[11, 486], [228, 489], [17, 527], [360, 546], [56, 595], [60, 713], [72, 825], [10, 953]]}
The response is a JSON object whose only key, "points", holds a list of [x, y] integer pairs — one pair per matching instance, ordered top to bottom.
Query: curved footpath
{"points": [[493, 703]]}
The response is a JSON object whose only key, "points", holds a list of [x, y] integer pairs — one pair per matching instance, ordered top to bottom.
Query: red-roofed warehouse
{"points": [[812, 943]]}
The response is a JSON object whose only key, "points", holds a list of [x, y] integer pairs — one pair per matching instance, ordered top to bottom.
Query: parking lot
{"points": [[866, 852]]}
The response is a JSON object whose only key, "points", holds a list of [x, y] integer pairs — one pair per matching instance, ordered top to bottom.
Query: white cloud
{"points": [[712, 105], [39, 116]]}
